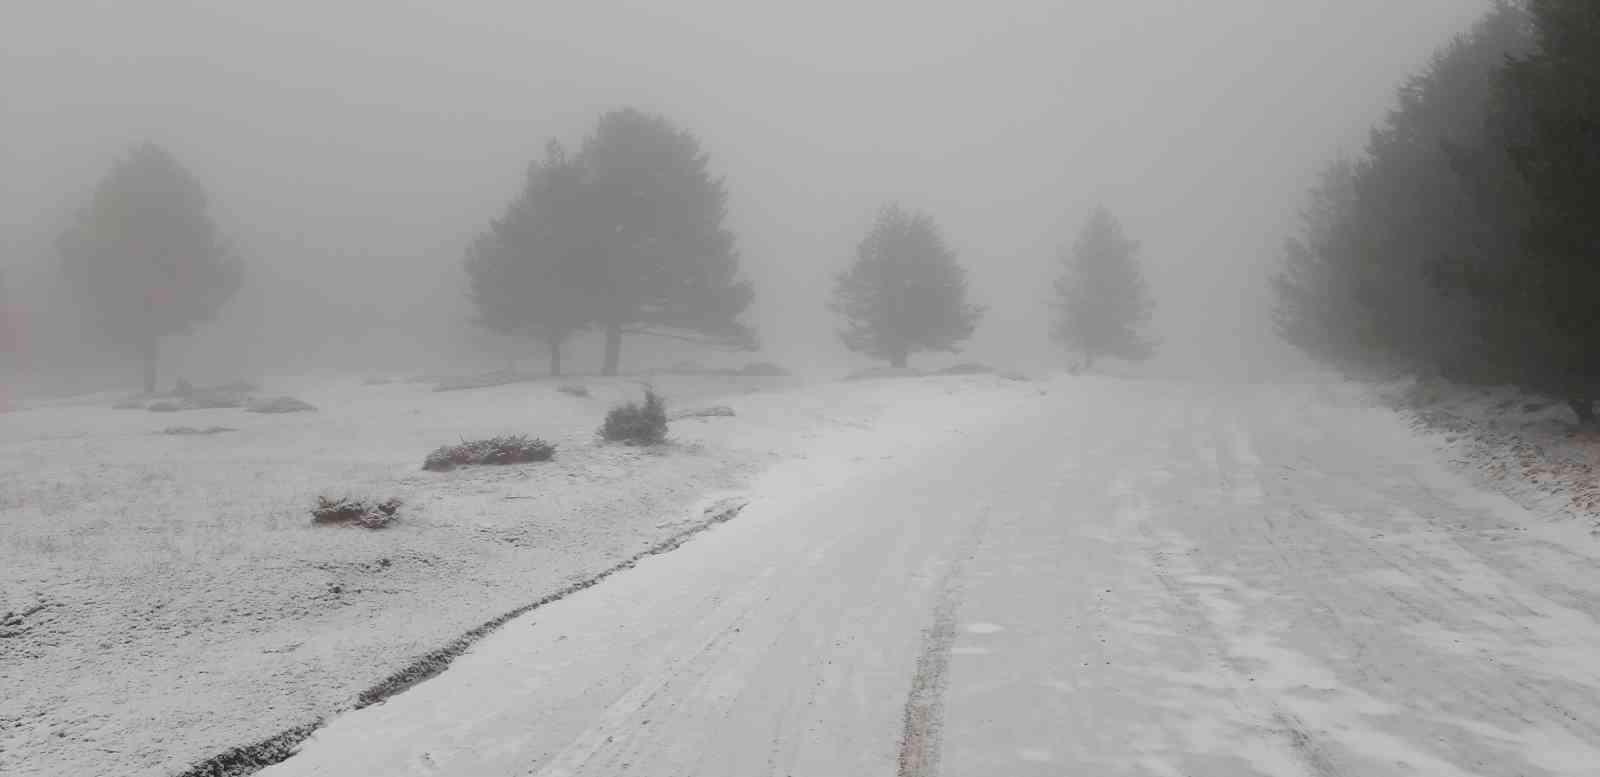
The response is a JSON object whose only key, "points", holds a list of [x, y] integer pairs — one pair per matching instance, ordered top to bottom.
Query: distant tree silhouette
{"points": [[654, 256], [145, 258], [520, 271], [905, 292], [1100, 298], [10, 338]]}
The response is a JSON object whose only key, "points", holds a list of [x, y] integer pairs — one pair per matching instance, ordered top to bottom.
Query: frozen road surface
{"points": [[1114, 578]]}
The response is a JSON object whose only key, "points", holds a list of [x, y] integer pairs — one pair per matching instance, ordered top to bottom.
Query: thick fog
{"points": [[352, 149]]}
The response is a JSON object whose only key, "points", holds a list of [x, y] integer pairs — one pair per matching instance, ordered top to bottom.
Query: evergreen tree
{"points": [[1427, 199], [655, 256], [145, 257], [520, 270], [905, 292], [1100, 297], [1318, 309], [1549, 320]]}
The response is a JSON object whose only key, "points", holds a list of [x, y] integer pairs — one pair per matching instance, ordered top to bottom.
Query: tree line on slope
{"points": [[626, 235], [1462, 242]]}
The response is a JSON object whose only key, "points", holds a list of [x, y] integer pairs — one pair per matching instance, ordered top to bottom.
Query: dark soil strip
{"points": [[924, 714], [251, 758]]}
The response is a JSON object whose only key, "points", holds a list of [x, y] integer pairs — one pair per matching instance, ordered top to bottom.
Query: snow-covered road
{"points": [[1116, 578]]}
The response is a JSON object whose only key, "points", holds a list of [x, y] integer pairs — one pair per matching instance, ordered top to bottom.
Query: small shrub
{"points": [[880, 373], [573, 389], [1423, 393], [211, 399], [278, 405], [637, 424], [190, 430], [510, 449], [349, 511]]}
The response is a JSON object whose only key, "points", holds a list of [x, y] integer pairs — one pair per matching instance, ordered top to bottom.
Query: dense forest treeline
{"points": [[1463, 241]]}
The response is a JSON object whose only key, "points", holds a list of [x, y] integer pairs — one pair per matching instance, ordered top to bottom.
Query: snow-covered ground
{"points": [[1526, 446], [957, 576], [1116, 577], [169, 598]]}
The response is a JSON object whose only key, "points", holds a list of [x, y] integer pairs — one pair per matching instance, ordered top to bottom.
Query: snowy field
{"points": [[941, 574], [1141, 578], [167, 597]]}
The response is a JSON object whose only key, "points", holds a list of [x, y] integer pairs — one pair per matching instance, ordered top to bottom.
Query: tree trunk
{"points": [[613, 349], [151, 357], [555, 358], [1583, 408]]}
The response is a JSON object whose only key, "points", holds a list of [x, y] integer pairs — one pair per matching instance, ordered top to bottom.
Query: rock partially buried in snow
{"points": [[278, 405]]}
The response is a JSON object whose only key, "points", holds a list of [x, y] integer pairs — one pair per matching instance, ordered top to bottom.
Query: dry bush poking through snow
{"points": [[278, 405], [637, 424], [190, 430], [510, 449], [344, 510]]}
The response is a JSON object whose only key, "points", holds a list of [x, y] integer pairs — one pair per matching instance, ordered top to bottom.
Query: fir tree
{"points": [[654, 255], [145, 257], [520, 270], [905, 292], [1100, 297]]}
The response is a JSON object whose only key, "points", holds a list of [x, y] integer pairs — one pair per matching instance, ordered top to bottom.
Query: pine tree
{"points": [[1426, 201], [145, 257], [656, 257], [519, 270], [1553, 289], [905, 292], [1100, 297]]}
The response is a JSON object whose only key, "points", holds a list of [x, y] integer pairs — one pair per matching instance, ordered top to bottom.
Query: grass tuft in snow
{"points": [[278, 405], [634, 423], [510, 449], [349, 511]]}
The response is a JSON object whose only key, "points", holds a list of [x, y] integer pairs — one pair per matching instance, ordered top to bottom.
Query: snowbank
{"points": [[1525, 446]]}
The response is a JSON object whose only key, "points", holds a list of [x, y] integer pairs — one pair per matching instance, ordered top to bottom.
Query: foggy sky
{"points": [[353, 148]]}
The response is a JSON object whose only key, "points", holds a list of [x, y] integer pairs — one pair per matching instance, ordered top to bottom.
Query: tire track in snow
{"points": [[924, 712], [251, 758]]}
